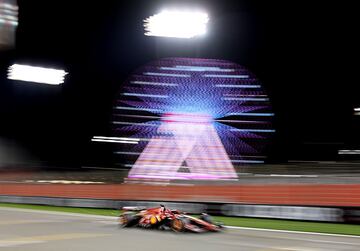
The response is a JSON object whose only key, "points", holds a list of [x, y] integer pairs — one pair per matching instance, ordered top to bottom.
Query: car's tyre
{"points": [[123, 220], [128, 220], [178, 225]]}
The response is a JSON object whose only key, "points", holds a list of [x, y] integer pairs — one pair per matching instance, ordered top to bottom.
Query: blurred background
{"points": [[304, 53]]}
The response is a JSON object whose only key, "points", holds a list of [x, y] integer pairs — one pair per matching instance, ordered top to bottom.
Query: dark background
{"points": [[304, 53]]}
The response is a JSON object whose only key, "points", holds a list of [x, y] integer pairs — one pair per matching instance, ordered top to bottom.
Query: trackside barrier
{"points": [[285, 212], [324, 214]]}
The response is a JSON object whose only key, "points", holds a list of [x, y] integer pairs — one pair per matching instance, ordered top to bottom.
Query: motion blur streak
{"points": [[194, 68], [225, 76], [239, 86], [114, 140]]}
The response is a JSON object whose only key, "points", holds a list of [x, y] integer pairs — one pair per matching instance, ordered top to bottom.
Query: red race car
{"points": [[163, 218]]}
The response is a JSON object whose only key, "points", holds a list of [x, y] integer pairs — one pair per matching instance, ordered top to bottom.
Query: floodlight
{"points": [[180, 24], [36, 74]]}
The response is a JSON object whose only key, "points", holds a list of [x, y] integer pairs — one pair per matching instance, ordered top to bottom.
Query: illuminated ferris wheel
{"points": [[190, 118]]}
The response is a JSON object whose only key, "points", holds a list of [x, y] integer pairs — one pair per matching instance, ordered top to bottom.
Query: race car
{"points": [[164, 218]]}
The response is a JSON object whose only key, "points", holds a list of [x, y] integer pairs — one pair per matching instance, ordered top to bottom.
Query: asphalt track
{"points": [[22, 229]]}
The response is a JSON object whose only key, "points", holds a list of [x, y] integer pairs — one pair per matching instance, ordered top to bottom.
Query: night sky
{"points": [[305, 55]]}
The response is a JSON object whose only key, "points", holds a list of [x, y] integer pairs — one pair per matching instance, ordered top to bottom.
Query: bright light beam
{"points": [[179, 24], [36, 74], [115, 140]]}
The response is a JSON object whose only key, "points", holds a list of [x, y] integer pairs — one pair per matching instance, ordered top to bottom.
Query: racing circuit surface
{"points": [[32, 230]]}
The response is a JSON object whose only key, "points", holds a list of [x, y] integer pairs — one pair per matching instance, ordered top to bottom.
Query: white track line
{"points": [[291, 231]]}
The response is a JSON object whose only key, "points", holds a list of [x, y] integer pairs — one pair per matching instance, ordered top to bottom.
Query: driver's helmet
{"points": [[162, 208]]}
